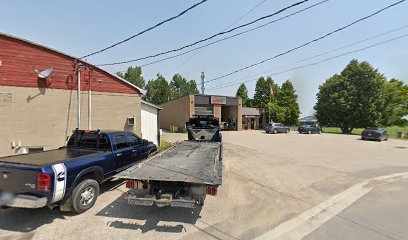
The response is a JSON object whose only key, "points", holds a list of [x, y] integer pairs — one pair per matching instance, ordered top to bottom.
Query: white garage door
{"points": [[149, 123]]}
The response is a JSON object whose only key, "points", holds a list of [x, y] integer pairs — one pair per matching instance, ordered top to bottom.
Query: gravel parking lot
{"points": [[267, 180]]}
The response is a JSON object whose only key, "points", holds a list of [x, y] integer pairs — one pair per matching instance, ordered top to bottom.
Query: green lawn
{"points": [[392, 131]]}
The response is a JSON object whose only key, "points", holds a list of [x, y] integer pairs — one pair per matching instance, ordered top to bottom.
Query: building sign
{"points": [[218, 100]]}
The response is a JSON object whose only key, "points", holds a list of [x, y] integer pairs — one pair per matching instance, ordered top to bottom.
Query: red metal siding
{"points": [[20, 59]]}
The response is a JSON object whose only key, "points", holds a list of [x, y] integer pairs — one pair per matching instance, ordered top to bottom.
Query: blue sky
{"points": [[81, 27]]}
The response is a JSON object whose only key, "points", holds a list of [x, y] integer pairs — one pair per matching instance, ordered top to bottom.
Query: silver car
{"points": [[277, 128]]}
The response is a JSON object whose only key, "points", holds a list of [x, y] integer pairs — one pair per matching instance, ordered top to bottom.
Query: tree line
{"points": [[159, 90], [361, 96], [280, 102]]}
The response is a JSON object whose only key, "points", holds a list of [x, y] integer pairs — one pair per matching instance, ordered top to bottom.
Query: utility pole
{"points": [[202, 83]]}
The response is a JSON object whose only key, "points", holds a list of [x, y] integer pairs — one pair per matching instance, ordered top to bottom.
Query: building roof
{"points": [[142, 91], [151, 105], [247, 111], [308, 119]]}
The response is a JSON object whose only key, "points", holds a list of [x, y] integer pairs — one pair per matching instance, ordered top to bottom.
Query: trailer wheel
{"points": [[84, 195]]}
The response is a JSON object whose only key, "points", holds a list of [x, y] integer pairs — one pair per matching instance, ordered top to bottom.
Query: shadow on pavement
{"points": [[152, 216], [26, 220]]}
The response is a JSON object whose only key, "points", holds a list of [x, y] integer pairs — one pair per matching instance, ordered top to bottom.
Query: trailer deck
{"points": [[187, 161]]}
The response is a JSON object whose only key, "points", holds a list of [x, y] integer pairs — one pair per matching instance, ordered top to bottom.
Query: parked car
{"points": [[277, 128], [309, 129], [379, 134], [69, 177]]}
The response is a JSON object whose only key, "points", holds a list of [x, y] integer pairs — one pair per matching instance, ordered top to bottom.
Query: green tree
{"points": [[134, 76], [179, 86], [157, 90], [243, 93], [264, 99], [353, 99], [287, 100], [396, 103]]}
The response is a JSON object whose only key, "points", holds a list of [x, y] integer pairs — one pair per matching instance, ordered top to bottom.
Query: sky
{"points": [[81, 27]]}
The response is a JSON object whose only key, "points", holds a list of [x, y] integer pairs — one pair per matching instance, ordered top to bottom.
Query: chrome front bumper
{"points": [[22, 201]]}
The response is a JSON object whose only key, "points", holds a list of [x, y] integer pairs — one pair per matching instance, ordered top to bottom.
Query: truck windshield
{"points": [[89, 140]]}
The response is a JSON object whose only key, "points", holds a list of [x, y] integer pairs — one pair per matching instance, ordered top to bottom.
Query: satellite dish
{"points": [[46, 73]]}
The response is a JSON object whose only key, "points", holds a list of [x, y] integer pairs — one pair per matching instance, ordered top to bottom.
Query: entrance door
{"points": [[252, 123]]}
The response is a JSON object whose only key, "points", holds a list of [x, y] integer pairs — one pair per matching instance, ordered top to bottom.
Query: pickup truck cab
{"points": [[70, 176]]}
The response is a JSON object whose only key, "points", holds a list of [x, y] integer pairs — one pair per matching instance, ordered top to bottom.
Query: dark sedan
{"points": [[309, 129], [378, 134]]}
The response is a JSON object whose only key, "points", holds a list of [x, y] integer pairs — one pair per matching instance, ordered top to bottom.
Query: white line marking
{"points": [[305, 223]]}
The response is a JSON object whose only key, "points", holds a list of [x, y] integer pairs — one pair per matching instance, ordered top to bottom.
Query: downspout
{"points": [[79, 97], [90, 101]]}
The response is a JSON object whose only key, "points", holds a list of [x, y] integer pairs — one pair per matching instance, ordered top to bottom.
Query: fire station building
{"points": [[176, 113]]}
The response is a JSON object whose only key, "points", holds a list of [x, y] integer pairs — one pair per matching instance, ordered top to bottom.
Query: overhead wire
{"points": [[232, 24], [146, 30], [235, 35], [207, 38], [309, 42], [324, 53], [316, 63]]}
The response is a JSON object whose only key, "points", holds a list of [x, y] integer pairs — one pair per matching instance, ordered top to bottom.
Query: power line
{"points": [[246, 14], [232, 24], [146, 30], [235, 35], [208, 38], [308, 43], [324, 53], [316, 63]]}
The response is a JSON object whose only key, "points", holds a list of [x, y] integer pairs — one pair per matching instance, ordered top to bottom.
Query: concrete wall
{"points": [[176, 112], [46, 117]]}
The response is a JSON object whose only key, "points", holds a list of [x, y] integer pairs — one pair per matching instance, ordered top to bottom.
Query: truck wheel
{"points": [[275, 131], [84, 195]]}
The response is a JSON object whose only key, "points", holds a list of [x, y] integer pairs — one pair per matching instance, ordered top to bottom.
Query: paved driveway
{"points": [[268, 180]]}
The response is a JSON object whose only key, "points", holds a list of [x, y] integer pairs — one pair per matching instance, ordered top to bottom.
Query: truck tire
{"points": [[84, 195]]}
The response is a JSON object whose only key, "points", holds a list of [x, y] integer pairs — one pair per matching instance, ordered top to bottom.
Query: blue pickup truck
{"points": [[69, 177]]}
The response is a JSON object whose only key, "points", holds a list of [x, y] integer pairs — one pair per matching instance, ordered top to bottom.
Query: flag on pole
{"points": [[271, 90]]}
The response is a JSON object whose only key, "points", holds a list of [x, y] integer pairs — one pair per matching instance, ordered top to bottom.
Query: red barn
{"points": [[39, 97]]}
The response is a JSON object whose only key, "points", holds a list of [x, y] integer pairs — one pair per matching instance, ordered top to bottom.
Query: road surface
{"points": [[269, 183]]}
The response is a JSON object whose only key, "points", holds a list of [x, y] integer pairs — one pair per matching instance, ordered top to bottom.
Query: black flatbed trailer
{"points": [[187, 161], [183, 175]]}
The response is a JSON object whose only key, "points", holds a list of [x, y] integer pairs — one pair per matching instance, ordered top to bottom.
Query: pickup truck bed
{"points": [[48, 157], [188, 161]]}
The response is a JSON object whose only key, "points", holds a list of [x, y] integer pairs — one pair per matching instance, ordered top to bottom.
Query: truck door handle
{"points": [[134, 150], [119, 154]]}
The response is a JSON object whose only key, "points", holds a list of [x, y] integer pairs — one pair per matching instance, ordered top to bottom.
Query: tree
{"points": [[134, 76], [179, 87], [157, 90], [243, 93], [264, 99], [353, 99], [287, 100], [396, 103]]}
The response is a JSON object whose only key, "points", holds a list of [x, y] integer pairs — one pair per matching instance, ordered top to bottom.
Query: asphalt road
{"points": [[269, 183]]}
